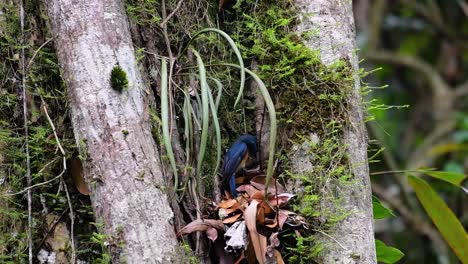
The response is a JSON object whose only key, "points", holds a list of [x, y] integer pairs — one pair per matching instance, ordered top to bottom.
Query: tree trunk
{"points": [[333, 21], [112, 131]]}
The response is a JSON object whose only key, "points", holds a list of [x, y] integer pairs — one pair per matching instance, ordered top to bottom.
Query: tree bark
{"points": [[333, 21], [112, 131]]}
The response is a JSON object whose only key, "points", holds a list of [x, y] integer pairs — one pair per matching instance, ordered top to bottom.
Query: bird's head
{"points": [[251, 143]]}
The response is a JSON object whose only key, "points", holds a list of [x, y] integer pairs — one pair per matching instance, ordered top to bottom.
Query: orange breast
{"points": [[243, 161]]}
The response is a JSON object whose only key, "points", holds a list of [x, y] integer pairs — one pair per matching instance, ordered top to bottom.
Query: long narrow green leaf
{"points": [[238, 55], [220, 91], [198, 105], [186, 111], [205, 111], [214, 113], [272, 116], [195, 118], [165, 122], [188, 133], [454, 178], [442, 217]]}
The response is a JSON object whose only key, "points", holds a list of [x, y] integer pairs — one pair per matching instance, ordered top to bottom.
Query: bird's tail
{"points": [[232, 185]]}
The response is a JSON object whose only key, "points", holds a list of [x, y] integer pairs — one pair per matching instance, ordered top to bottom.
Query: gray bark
{"points": [[333, 21], [123, 170]]}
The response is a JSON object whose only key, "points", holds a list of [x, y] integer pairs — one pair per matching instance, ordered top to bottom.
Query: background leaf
{"points": [[454, 178], [380, 211], [443, 218], [387, 254]]}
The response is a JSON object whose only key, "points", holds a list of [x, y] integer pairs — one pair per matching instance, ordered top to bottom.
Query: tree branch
{"points": [[376, 17], [163, 24], [437, 84], [462, 89]]}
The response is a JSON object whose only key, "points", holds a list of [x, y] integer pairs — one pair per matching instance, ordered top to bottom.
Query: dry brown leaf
{"points": [[77, 174], [240, 180], [248, 188], [273, 188], [258, 195], [281, 199], [243, 202], [227, 203], [266, 207], [232, 210], [263, 210], [260, 215], [282, 217], [232, 219], [271, 223], [201, 225], [212, 233], [259, 242], [274, 242], [279, 258]]}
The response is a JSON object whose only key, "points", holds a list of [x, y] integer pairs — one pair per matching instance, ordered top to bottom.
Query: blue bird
{"points": [[236, 158]]}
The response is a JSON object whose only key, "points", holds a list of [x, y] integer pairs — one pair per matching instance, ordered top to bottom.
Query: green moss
{"points": [[118, 79], [83, 150]]}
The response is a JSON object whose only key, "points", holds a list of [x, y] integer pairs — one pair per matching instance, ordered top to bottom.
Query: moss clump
{"points": [[118, 79]]}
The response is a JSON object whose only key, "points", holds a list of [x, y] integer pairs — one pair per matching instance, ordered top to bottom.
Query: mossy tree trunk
{"points": [[335, 39], [112, 131]]}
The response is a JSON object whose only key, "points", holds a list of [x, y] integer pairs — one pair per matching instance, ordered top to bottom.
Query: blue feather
{"points": [[234, 157], [232, 185]]}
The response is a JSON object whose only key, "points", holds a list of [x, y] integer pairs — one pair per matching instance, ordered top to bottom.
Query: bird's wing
{"points": [[233, 158]]}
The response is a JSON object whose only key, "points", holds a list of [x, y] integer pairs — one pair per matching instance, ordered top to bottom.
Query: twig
{"points": [[179, 4], [463, 6], [432, 14], [375, 27], [36, 52], [461, 90], [26, 136], [421, 156], [47, 165], [388, 172], [29, 188], [72, 216], [72, 222], [332, 238], [198, 242]]}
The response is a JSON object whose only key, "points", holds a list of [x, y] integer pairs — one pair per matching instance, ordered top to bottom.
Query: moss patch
{"points": [[118, 79]]}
